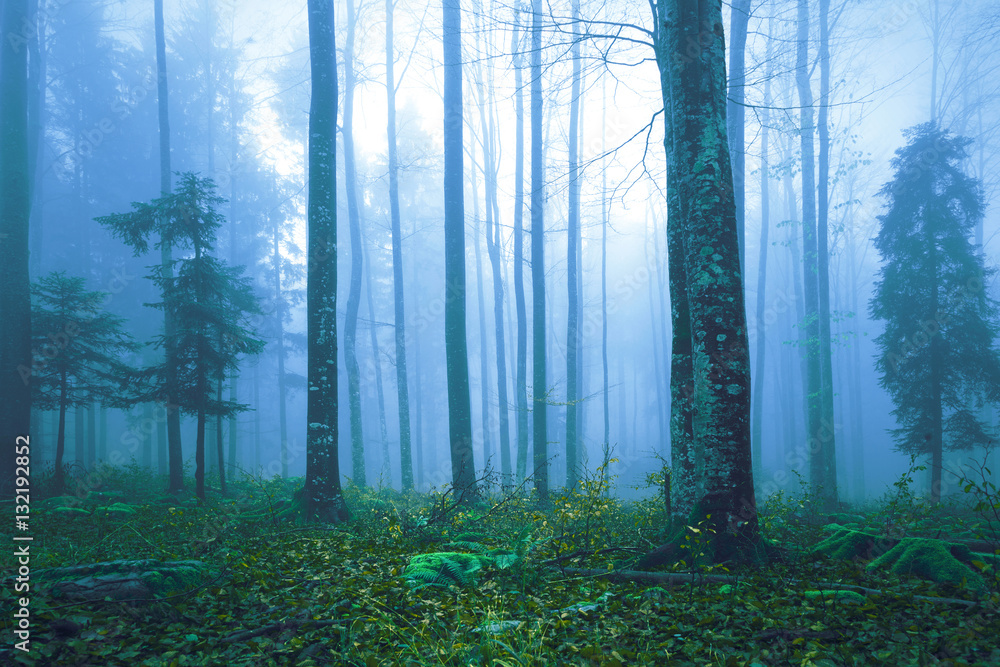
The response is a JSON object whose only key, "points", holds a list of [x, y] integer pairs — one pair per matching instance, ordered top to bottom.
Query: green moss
{"points": [[120, 508], [845, 519], [847, 544], [930, 559], [839, 595]]}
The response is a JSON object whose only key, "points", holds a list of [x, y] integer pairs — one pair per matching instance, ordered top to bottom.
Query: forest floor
{"points": [[282, 593]]}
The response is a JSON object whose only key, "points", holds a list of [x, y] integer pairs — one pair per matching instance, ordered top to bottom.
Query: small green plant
{"points": [[978, 484], [902, 507], [782, 515]]}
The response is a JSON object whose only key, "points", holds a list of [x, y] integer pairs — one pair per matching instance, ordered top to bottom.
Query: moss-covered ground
{"points": [[290, 594]]}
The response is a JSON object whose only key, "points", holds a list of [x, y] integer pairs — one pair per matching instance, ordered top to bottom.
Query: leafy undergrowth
{"points": [[289, 594]]}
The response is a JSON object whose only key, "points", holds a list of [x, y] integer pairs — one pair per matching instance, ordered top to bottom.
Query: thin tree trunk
{"points": [[37, 87], [15, 213], [234, 222], [765, 222], [493, 244], [823, 262], [572, 269], [354, 292], [279, 316], [456, 344], [658, 353], [377, 360], [663, 368], [484, 380], [814, 387], [540, 388], [402, 389], [521, 389], [201, 390], [857, 403], [418, 411], [256, 417], [80, 434], [92, 435], [147, 437], [102, 438], [606, 448], [219, 449], [174, 451], [162, 460], [58, 478], [324, 500]]}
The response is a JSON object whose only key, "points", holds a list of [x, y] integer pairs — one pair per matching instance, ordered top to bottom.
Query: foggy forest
{"points": [[377, 332]]}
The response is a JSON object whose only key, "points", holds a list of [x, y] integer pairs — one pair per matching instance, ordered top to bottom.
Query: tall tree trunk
{"points": [[935, 58], [37, 87], [736, 115], [792, 214], [705, 242], [493, 245], [234, 255], [823, 263], [572, 269], [661, 286], [15, 290], [354, 292], [279, 316], [456, 345], [658, 353], [377, 361], [484, 379], [521, 385], [814, 387], [402, 389], [539, 390], [857, 403], [418, 412], [256, 416], [80, 434], [91, 434], [147, 436], [102, 437], [756, 438], [606, 447], [219, 449], [174, 451], [686, 460], [162, 462], [58, 477], [324, 500]]}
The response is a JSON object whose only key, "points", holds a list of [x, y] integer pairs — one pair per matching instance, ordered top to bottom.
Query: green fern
{"points": [[445, 568]]}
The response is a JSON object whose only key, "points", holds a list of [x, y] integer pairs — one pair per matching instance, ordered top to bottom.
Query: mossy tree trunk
{"points": [[710, 385]]}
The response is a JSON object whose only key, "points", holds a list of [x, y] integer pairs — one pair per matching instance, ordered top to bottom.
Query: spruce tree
{"points": [[209, 302], [77, 353], [937, 354]]}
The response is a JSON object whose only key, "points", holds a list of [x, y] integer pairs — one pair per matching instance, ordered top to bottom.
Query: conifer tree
{"points": [[208, 301], [77, 353], [937, 354]]}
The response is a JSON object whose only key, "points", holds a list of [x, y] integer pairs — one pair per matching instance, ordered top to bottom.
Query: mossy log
{"points": [[134, 580]]}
